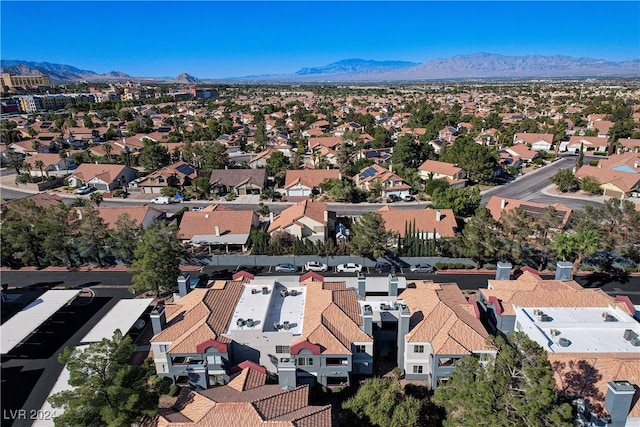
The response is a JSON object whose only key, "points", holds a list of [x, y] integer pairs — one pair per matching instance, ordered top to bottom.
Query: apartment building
{"points": [[15, 80], [309, 330], [592, 338]]}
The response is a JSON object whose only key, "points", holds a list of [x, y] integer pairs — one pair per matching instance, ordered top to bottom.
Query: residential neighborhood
{"points": [[295, 244]]}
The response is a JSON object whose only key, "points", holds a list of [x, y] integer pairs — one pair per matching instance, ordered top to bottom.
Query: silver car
{"points": [[316, 266], [286, 268], [421, 268]]}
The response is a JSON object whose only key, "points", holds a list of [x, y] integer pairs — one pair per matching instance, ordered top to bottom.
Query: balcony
{"points": [[336, 361]]}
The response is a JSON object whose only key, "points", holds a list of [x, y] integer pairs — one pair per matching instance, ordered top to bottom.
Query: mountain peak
{"points": [[186, 78]]}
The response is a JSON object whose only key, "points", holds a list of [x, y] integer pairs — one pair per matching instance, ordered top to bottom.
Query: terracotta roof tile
{"points": [[441, 168], [310, 177], [495, 206], [308, 208], [138, 214], [425, 220], [227, 221], [530, 290], [248, 379], [280, 404]]}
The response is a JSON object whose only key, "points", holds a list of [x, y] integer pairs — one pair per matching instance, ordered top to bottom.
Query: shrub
{"points": [[593, 163], [590, 185], [118, 192]]}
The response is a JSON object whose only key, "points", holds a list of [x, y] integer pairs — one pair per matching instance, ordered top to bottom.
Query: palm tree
{"points": [[36, 145], [40, 165], [27, 167], [96, 198]]}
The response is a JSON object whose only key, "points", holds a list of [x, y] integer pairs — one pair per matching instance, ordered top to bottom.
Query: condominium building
{"points": [[14, 80]]}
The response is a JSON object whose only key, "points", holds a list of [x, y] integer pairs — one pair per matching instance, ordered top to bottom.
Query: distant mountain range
{"points": [[474, 66]]}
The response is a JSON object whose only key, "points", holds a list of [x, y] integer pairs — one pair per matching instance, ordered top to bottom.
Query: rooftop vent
{"points": [[265, 290], [254, 291], [293, 292], [367, 308], [537, 312], [608, 317], [240, 322], [250, 323], [286, 325], [554, 332], [563, 342]]}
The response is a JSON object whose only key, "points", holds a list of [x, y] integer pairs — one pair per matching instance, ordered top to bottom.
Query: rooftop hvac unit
{"points": [[265, 290], [254, 291], [293, 292], [284, 293], [367, 308], [537, 312], [609, 317], [545, 318], [240, 322], [250, 323], [277, 325], [286, 325], [554, 332], [629, 334], [635, 341], [563, 342]]}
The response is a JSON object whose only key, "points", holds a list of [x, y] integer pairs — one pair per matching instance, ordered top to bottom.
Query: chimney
{"points": [[390, 167], [503, 203], [270, 216], [326, 216], [438, 216], [217, 230], [564, 270], [503, 271], [183, 284], [393, 285], [362, 286], [158, 319], [367, 320], [403, 329], [618, 402]]}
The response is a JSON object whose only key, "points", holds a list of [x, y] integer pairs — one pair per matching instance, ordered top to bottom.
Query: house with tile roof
{"points": [[537, 141], [330, 142], [588, 144], [630, 144], [522, 151], [259, 161], [52, 164], [434, 169], [179, 174], [619, 175], [102, 176], [242, 181], [301, 183], [392, 184], [499, 205], [142, 216], [308, 219], [442, 222], [218, 227], [444, 327], [592, 338], [247, 401]]}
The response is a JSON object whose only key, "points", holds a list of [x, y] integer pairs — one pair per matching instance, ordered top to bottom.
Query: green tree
{"points": [[406, 152], [213, 154], [153, 156], [580, 158], [344, 160], [479, 161], [40, 165], [277, 166], [565, 181], [590, 184], [339, 190], [96, 198], [464, 201], [515, 229], [23, 233], [92, 235], [125, 237], [369, 237], [479, 237], [576, 246], [157, 257], [107, 388], [515, 389], [381, 402]]}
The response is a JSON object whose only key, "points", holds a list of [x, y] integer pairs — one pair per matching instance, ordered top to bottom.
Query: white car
{"points": [[85, 189], [316, 266], [349, 267]]}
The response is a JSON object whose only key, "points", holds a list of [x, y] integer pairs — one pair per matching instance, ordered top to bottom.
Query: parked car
{"points": [[85, 189], [407, 198], [161, 201], [316, 266], [349, 267], [385, 267], [286, 268], [422, 268]]}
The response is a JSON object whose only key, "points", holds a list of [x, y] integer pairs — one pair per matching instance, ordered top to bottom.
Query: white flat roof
{"points": [[267, 309], [122, 316], [20, 326], [585, 329]]}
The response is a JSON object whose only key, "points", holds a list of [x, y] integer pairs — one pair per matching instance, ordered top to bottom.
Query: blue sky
{"points": [[230, 39]]}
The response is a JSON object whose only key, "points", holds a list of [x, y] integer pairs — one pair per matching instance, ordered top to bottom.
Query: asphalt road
{"points": [[529, 187]]}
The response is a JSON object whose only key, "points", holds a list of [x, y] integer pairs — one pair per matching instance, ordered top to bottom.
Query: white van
{"points": [[161, 201]]}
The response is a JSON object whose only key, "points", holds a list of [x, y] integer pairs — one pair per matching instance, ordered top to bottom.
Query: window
{"points": [[164, 348], [361, 348], [282, 349], [418, 349], [305, 361], [337, 361], [447, 361], [417, 369], [442, 381]]}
